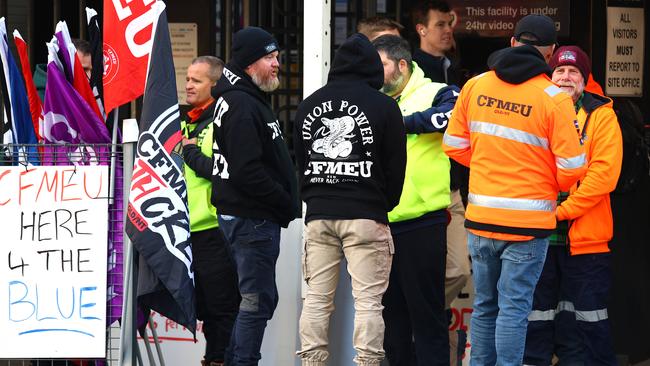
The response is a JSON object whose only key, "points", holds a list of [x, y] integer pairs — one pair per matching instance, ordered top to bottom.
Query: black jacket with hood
{"points": [[515, 65], [350, 141], [253, 175]]}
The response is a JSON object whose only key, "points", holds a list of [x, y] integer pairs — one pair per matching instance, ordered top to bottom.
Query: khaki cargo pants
{"points": [[368, 248]]}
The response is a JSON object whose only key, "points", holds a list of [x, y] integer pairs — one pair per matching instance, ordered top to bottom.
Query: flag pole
{"points": [[113, 156], [129, 342]]}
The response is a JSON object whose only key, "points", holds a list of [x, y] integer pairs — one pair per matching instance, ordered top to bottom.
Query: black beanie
{"points": [[250, 44]]}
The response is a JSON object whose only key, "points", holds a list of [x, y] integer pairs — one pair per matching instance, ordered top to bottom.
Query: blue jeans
{"points": [[255, 246], [505, 275]]}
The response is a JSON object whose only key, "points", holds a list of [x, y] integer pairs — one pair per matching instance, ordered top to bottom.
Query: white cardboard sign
{"points": [[53, 259]]}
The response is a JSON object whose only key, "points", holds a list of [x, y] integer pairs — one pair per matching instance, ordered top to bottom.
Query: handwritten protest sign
{"points": [[53, 259]]}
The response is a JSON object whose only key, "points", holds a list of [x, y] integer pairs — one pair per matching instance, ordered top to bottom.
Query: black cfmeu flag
{"points": [[96, 44], [97, 57], [158, 220]]}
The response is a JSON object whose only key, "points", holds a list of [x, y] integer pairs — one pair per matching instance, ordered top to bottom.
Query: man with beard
{"points": [[514, 128], [254, 183], [217, 297], [415, 299], [569, 317]]}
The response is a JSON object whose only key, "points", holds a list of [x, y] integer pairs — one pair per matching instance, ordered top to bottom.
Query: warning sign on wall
{"points": [[497, 18], [625, 37]]}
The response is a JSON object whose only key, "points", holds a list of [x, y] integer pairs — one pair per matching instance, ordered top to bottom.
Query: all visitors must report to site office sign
{"points": [[497, 18], [625, 48], [53, 261]]}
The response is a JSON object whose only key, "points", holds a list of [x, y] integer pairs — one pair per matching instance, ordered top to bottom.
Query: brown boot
{"points": [[211, 363], [215, 363]]}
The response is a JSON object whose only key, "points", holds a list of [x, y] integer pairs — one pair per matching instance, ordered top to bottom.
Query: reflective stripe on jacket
{"points": [[521, 145], [426, 182], [588, 206]]}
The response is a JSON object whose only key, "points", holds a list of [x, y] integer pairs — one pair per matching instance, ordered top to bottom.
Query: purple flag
{"points": [[67, 51], [68, 119], [115, 251]]}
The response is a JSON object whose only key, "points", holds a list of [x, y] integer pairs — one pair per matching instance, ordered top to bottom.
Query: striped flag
{"points": [[13, 87], [35, 103]]}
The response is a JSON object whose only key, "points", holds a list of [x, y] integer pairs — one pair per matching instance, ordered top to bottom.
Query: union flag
{"points": [[127, 45]]}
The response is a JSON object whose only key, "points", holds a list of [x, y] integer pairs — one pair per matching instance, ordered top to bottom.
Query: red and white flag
{"points": [[127, 45]]}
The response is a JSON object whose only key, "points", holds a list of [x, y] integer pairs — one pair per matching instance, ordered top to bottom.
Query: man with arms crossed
{"points": [[217, 297]]}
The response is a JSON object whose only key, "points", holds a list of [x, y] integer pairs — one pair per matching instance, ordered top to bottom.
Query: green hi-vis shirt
{"points": [[426, 182], [203, 215]]}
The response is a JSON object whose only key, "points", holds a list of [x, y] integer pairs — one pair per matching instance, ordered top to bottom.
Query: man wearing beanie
{"points": [[348, 123], [515, 130], [254, 183], [569, 317]]}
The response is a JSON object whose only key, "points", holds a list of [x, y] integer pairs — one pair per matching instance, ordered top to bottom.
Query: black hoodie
{"points": [[515, 65], [350, 142], [253, 175]]}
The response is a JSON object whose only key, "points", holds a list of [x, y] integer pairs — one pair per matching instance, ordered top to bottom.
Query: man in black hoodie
{"points": [[350, 147], [254, 183]]}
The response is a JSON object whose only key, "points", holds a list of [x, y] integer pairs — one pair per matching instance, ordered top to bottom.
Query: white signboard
{"points": [[625, 36], [184, 50], [53, 267], [175, 341]]}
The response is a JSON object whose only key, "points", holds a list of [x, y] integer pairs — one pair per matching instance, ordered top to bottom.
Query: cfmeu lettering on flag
{"points": [[155, 171]]}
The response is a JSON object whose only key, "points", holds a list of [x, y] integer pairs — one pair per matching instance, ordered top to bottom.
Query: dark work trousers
{"points": [[255, 246], [217, 295], [414, 304], [569, 317]]}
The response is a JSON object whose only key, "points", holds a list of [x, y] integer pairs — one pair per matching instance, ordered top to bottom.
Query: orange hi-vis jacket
{"points": [[521, 145], [588, 207]]}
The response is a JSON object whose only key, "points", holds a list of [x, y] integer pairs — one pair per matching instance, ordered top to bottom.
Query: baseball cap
{"points": [[538, 30]]}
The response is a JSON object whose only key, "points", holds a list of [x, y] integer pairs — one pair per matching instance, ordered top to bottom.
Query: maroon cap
{"points": [[574, 56]]}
